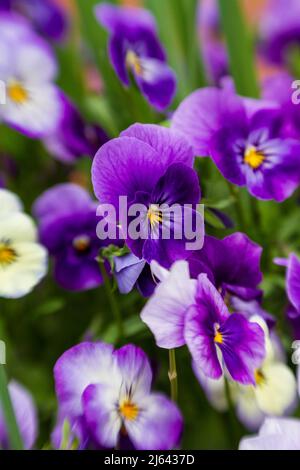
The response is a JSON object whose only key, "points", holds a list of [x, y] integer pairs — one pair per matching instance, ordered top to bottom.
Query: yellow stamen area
{"points": [[133, 62], [17, 92], [253, 158], [154, 215], [82, 244], [7, 254], [218, 337], [259, 377], [128, 410]]}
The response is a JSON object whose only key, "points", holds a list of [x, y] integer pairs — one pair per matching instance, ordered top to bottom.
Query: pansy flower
{"points": [[47, 17], [280, 29], [134, 48], [33, 103], [73, 137], [249, 149], [150, 166], [67, 227], [23, 262], [232, 264], [292, 265], [192, 312], [275, 390], [109, 392], [26, 416], [275, 434]]}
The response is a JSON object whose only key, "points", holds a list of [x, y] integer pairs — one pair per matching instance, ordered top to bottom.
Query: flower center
{"points": [[133, 62], [17, 92], [253, 158], [154, 215], [82, 243], [7, 254], [218, 338], [259, 377], [128, 410]]}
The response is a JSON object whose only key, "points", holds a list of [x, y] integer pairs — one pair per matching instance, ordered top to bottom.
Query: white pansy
{"points": [[9, 202], [23, 261], [275, 391]]}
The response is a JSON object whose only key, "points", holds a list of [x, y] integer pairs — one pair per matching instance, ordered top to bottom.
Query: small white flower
{"points": [[23, 262]]}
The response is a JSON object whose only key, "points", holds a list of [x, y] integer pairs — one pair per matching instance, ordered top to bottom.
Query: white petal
{"points": [[35, 62], [9, 202], [17, 228], [21, 276], [278, 392], [248, 410]]}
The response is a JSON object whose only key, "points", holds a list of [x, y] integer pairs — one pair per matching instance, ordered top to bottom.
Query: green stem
{"points": [[238, 206], [112, 301], [173, 375], [9, 415]]}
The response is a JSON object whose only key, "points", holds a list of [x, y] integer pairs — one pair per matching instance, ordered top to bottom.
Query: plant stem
{"points": [[238, 206], [112, 301], [173, 375], [8, 412]]}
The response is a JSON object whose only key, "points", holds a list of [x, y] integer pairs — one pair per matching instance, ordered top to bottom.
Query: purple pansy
{"points": [[47, 17], [280, 29], [134, 48], [33, 103], [74, 137], [249, 150], [150, 166], [67, 225], [232, 265], [292, 265], [186, 311], [109, 393], [26, 416]]}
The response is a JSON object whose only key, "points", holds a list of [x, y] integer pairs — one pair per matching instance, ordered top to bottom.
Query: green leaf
{"points": [[213, 220]]}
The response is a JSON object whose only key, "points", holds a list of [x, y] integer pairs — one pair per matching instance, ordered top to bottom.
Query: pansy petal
{"points": [[203, 113], [171, 147], [124, 166], [9, 203], [293, 281], [164, 313], [243, 347], [80, 366], [135, 370], [278, 392], [101, 414], [158, 425]]}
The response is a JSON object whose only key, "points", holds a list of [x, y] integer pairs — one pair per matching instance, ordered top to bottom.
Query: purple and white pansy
{"points": [[108, 394]]}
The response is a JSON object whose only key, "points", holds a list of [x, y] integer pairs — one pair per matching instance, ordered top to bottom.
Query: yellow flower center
{"points": [[133, 62], [17, 92], [253, 158], [154, 215], [82, 244], [7, 254], [218, 337], [259, 377], [128, 410]]}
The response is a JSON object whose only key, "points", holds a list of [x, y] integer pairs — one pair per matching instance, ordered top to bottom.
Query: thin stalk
{"points": [[238, 206], [112, 301], [173, 375], [8, 412]]}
